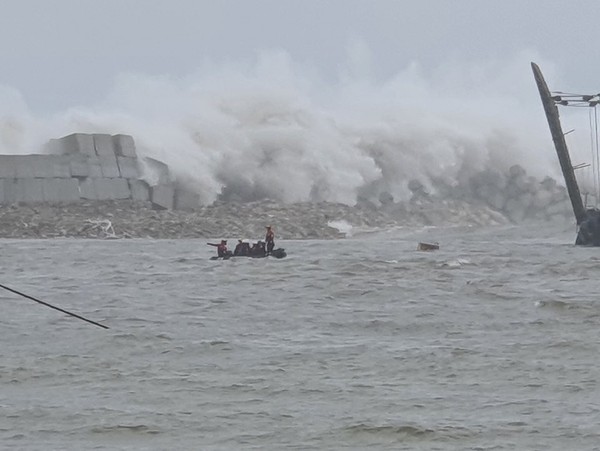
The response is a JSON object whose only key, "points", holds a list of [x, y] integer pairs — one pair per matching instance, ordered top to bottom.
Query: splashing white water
{"points": [[273, 130], [342, 226]]}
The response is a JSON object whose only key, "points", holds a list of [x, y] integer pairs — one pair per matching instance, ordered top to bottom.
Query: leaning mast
{"points": [[561, 146]]}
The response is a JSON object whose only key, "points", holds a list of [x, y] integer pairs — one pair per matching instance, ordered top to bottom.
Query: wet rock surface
{"points": [[486, 197], [130, 219]]}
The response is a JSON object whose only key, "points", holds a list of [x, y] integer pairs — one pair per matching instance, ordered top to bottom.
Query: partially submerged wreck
{"points": [[588, 219]]}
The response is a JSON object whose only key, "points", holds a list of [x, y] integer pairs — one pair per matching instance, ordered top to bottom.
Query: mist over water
{"points": [[273, 128]]}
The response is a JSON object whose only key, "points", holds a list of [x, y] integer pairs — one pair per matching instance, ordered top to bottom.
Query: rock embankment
{"points": [[131, 219]]}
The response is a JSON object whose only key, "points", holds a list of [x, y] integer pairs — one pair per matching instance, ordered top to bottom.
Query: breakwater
{"points": [[90, 167], [96, 185]]}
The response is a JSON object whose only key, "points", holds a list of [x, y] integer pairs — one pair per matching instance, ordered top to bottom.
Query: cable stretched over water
{"points": [[53, 307]]}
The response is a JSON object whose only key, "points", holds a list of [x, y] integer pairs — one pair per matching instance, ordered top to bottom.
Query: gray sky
{"points": [[64, 53]]}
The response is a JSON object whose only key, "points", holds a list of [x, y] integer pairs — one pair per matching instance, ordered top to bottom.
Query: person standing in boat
{"points": [[270, 239], [221, 248]]}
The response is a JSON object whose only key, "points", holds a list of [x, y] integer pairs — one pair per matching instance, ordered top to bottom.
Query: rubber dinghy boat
{"points": [[275, 253]]}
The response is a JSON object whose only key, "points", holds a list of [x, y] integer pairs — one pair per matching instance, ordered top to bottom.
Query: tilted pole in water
{"points": [[561, 145], [54, 307]]}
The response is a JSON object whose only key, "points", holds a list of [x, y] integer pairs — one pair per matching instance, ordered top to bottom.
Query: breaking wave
{"points": [[273, 129]]}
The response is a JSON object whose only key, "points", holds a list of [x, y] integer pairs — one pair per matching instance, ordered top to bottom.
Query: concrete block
{"points": [[76, 143], [104, 145], [124, 146], [42, 165], [78, 165], [8, 166], [24, 166], [50, 166], [60, 166], [109, 166], [94, 167], [128, 167], [154, 172], [111, 188], [87, 189], [29, 190], [50, 190], [60, 190], [139, 190], [8, 191], [2, 195], [162, 196], [186, 200]]}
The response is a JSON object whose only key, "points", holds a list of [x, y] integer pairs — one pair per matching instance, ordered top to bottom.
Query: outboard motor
{"points": [[278, 253]]}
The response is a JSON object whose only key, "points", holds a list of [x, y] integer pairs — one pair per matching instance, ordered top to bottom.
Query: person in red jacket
{"points": [[270, 239], [221, 248]]}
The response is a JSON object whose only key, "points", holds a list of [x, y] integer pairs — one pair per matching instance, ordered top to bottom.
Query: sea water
{"points": [[363, 343]]}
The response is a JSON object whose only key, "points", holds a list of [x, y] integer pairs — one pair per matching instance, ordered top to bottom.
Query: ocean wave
{"points": [[123, 428], [389, 433]]}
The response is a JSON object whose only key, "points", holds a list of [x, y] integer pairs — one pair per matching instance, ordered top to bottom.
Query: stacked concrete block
{"points": [[75, 143], [103, 145], [124, 146], [97, 152], [8, 166], [24, 166], [42, 166], [53, 166], [80, 166], [89, 166], [109, 166], [95, 167], [128, 167], [155, 172], [104, 189], [109, 189], [28, 190], [60, 190], [87, 190], [140, 190], [8, 192], [162, 196]]}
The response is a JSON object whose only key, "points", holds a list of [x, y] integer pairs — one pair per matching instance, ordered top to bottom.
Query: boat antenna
{"points": [[589, 101], [595, 148], [596, 175], [53, 307]]}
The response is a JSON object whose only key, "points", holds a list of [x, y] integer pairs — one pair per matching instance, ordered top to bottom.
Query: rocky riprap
{"points": [[487, 197], [129, 219]]}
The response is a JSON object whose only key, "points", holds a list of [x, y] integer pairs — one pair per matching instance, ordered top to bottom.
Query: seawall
{"points": [[87, 167]]}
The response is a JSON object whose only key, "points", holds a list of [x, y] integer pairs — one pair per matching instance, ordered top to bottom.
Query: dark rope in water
{"points": [[54, 307]]}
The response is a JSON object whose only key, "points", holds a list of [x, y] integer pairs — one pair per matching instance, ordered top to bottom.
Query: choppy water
{"points": [[365, 343]]}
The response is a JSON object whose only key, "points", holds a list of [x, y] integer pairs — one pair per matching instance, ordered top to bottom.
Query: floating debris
{"points": [[428, 246]]}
